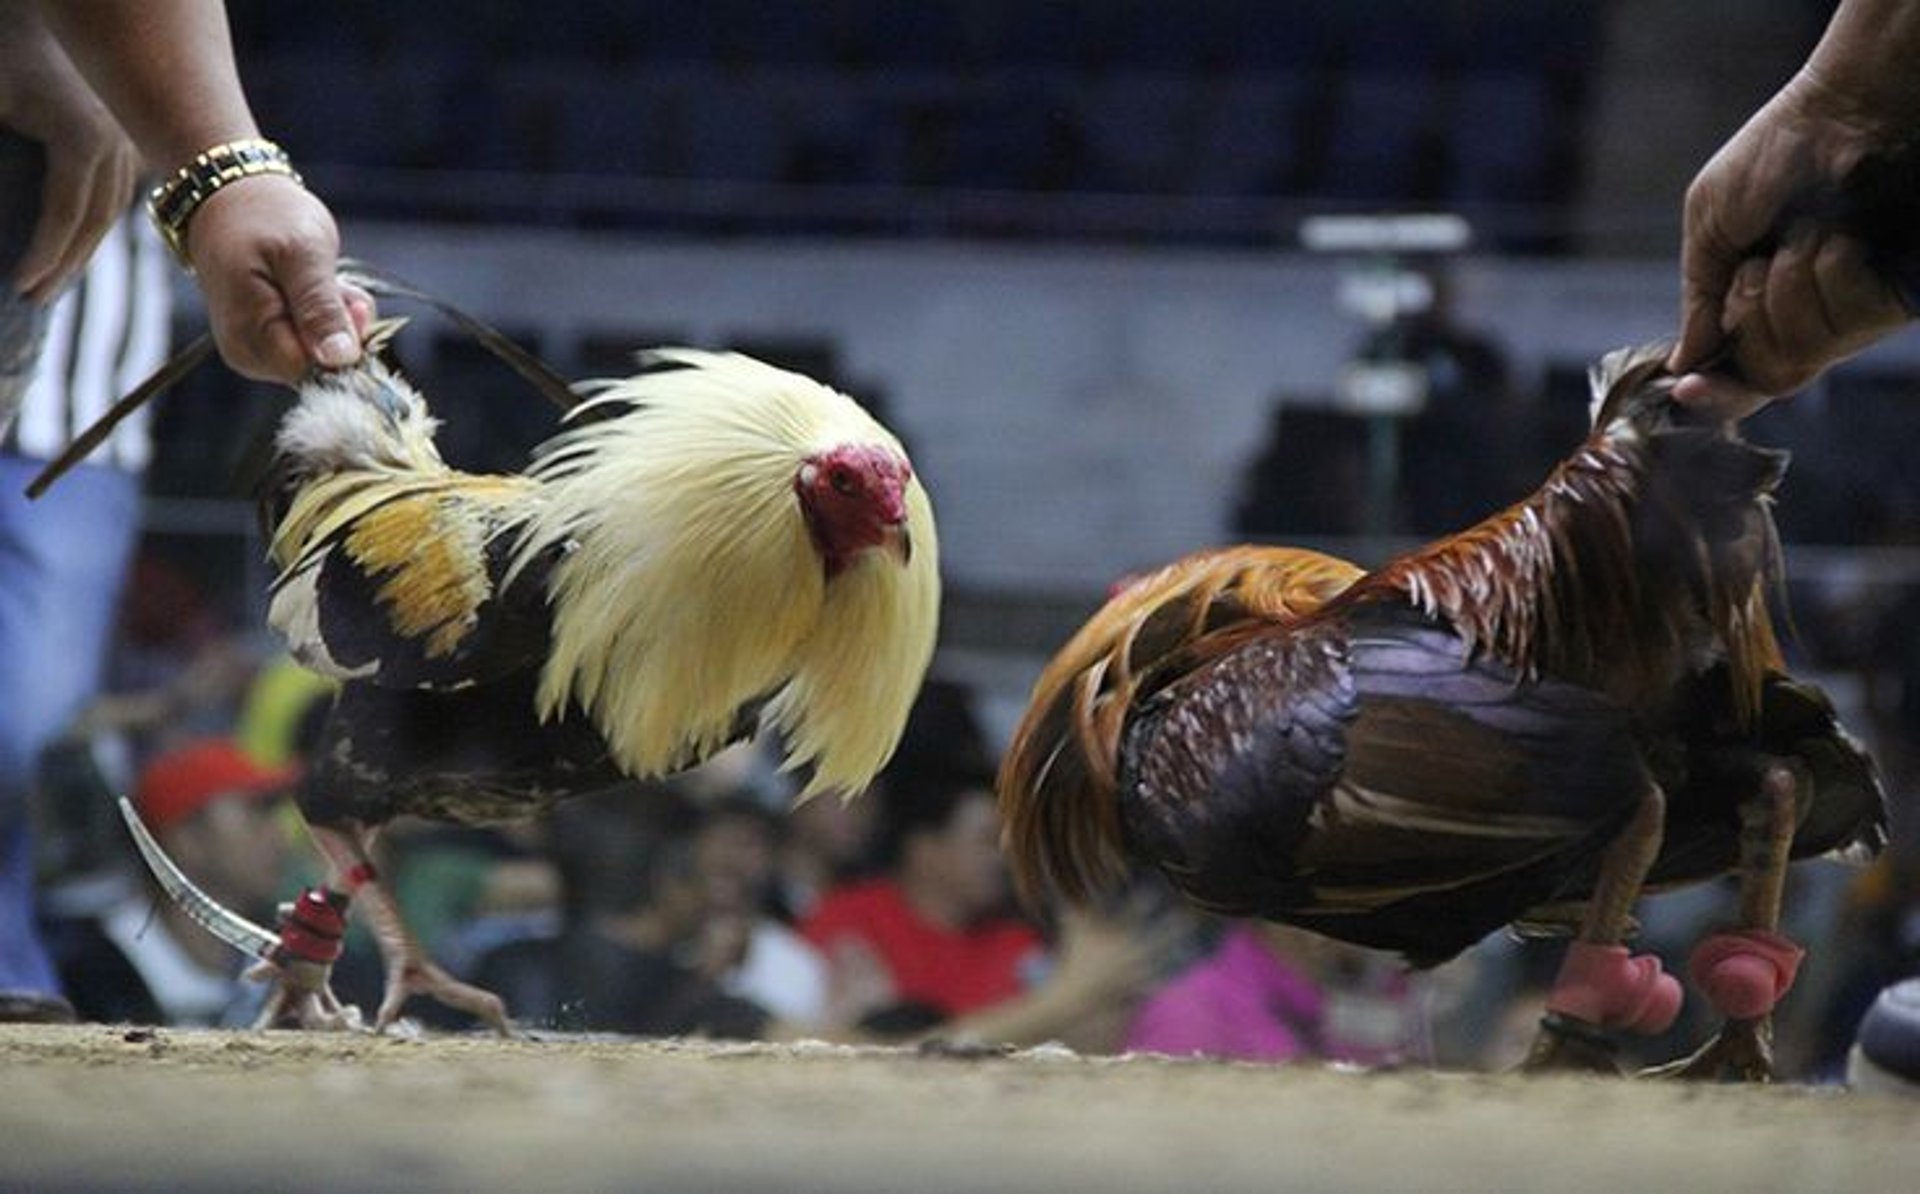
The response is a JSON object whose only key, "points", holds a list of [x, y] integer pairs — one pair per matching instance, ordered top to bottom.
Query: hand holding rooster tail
{"points": [[265, 250], [266, 254], [1774, 280]]}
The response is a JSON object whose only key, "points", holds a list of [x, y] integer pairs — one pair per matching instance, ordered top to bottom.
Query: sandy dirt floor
{"points": [[96, 1108]]}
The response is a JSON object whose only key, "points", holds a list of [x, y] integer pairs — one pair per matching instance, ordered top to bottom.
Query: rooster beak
{"points": [[897, 541]]}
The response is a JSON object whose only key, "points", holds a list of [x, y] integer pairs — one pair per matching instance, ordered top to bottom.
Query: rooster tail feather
{"points": [[531, 368], [1059, 781], [1059, 803]]}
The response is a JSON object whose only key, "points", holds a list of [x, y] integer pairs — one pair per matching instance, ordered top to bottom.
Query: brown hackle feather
{"points": [[1556, 583]]}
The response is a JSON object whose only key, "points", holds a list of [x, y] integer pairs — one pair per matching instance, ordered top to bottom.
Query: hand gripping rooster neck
{"points": [[706, 548], [1525, 725]]}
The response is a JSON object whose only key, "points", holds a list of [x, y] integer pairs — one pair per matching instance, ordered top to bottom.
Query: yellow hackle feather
{"points": [[692, 492], [434, 582]]}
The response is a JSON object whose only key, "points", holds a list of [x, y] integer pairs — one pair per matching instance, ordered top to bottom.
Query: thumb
{"points": [[1704, 277], [318, 304], [1700, 335]]}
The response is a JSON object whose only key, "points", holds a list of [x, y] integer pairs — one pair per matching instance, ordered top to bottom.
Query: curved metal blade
{"points": [[224, 923]]}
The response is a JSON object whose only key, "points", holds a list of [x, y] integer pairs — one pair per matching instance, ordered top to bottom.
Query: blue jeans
{"points": [[63, 560]]}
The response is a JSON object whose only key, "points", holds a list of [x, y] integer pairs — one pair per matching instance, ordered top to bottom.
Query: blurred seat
{"points": [[758, 33], [1021, 34], [924, 35], [1147, 35], [1560, 37], [345, 108], [608, 121], [511, 123], [829, 127], [728, 128], [1140, 130], [1016, 135], [1247, 136], [1502, 138], [1381, 147], [491, 418], [1309, 478], [1852, 479]]}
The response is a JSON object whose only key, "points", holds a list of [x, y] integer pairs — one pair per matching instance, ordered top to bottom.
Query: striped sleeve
{"points": [[104, 335]]}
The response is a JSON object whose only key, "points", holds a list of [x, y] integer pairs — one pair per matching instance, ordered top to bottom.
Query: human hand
{"points": [[91, 166], [266, 252], [1773, 298], [719, 944], [1106, 958], [858, 983]]}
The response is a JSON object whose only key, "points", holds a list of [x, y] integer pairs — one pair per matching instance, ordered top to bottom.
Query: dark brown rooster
{"points": [[1526, 724]]}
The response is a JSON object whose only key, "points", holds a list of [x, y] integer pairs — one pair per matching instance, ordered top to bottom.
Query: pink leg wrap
{"points": [[1744, 972], [1605, 985]]}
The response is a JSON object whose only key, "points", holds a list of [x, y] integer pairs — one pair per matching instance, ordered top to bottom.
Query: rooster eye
{"points": [[842, 481]]}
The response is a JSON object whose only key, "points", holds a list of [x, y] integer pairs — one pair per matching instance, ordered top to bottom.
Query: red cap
{"points": [[181, 782]]}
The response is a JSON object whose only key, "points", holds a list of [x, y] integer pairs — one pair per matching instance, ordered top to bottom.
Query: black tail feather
{"points": [[537, 373], [163, 379]]}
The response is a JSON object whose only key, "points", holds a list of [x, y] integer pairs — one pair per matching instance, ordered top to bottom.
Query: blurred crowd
{"points": [[707, 906]]}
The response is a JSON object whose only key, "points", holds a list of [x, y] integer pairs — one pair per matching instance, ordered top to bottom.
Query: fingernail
{"points": [[336, 350]]}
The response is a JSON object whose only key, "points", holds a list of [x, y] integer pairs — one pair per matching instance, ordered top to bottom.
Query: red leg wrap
{"points": [[313, 926], [1744, 973], [1605, 985]]}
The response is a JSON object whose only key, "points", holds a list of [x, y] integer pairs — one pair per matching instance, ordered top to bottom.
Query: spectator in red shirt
{"points": [[936, 919], [936, 925]]}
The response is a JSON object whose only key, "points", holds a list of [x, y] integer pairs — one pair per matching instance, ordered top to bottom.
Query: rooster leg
{"points": [[1609, 915], [312, 930], [409, 971], [1744, 973], [1601, 986], [301, 997]]}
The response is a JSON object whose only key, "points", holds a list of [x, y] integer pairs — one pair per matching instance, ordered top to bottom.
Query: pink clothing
{"points": [[1240, 1001], [1246, 1002]]}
